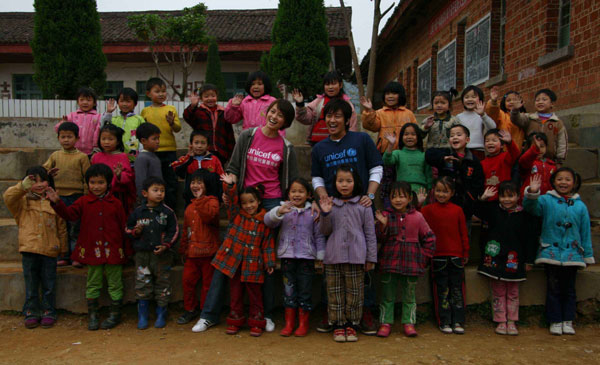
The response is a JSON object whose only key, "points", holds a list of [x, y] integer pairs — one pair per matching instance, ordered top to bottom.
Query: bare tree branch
{"points": [[355, 63]]}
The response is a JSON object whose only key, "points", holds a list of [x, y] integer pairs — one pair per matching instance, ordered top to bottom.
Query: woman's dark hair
{"points": [[259, 75], [333, 77], [207, 87], [394, 87], [473, 88], [87, 92], [548, 92], [128, 93], [448, 95], [503, 102], [342, 105], [286, 108], [68, 127], [115, 131], [417, 131], [199, 132], [99, 169], [42, 173], [576, 178], [210, 180], [446, 181], [302, 182], [402, 187], [508, 187], [358, 190], [258, 191]]}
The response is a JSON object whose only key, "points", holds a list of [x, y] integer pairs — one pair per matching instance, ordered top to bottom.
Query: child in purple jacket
{"points": [[300, 244]]}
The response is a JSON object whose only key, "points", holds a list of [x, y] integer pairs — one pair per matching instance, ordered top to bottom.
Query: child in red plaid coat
{"points": [[407, 245], [246, 253]]}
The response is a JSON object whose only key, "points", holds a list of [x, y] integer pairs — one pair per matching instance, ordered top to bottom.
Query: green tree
{"points": [[175, 40], [67, 48], [300, 54], [213, 69]]}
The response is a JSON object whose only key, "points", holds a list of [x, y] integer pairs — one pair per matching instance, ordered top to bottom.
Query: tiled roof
{"points": [[225, 25]]}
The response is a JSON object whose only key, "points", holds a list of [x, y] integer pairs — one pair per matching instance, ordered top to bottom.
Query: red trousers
{"points": [[194, 269], [254, 291]]}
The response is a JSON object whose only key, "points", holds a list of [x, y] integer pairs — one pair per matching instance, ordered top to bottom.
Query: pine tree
{"points": [[67, 48], [300, 54], [213, 69]]}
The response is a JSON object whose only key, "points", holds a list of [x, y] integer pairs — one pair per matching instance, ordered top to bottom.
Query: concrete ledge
{"points": [[560, 54], [584, 161], [71, 287]]}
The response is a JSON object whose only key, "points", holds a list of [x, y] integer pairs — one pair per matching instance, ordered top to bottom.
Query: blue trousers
{"points": [[39, 270], [560, 293]]}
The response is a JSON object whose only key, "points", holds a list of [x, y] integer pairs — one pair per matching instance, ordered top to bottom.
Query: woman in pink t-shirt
{"points": [[262, 156]]}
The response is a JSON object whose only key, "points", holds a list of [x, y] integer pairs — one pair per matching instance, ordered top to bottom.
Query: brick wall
{"points": [[531, 33]]}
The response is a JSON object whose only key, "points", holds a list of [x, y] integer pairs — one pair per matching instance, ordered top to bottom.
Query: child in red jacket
{"points": [[535, 162], [498, 164], [199, 243]]}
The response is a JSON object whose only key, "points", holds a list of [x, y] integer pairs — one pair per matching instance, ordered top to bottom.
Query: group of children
{"points": [[120, 206]]}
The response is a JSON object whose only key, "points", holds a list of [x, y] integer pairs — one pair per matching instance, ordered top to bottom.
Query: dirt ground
{"points": [[69, 342]]}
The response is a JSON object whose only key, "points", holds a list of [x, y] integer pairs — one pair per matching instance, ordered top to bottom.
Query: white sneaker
{"points": [[202, 325], [270, 326], [556, 328], [567, 328]]}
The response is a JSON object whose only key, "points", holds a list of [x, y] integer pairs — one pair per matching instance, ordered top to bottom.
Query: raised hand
{"points": [[494, 94], [297, 95], [194, 99], [237, 99], [366, 103], [517, 104], [111, 105], [480, 108], [170, 117], [64, 119], [429, 122], [505, 136], [391, 137], [118, 169], [53, 171], [228, 179], [535, 183], [489, 192], [52, 195], [421, 196], [326, 204], [285, 208], [381, 218]]}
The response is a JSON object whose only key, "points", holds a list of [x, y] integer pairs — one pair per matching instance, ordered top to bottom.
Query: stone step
{"points": [[583, 128], [15, 161], [585, 161], [5, 184], [590, 194], [71, 287]]}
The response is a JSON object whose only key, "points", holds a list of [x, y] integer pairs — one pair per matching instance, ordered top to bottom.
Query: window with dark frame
{"points": [[564, 23], [502, 33], [235, 83], [25, 88], [140, 88], [112, 89]]}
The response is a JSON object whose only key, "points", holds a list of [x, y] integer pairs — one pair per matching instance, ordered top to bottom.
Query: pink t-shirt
{"points": [[262, 163]]}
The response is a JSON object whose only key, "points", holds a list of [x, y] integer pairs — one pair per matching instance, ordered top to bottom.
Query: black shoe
{"points": [[115, 316], [93, 317], [187, 317]]}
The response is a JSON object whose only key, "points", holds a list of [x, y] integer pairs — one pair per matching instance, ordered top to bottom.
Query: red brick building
{"points": [[521, 45]]}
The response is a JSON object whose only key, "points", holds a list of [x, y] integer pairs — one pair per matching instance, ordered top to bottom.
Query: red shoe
{"points": [[290, 321], [234, 323], [257, 326], [368, 326], [302, 329], [232, 330], [384, 330], [409, 330], [256, 331], [339, 335], [351, 335]]}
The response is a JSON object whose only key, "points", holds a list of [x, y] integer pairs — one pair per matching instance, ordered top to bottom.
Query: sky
{"points": [[361, 25]]}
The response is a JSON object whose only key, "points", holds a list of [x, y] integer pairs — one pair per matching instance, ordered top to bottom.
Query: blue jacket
{"points": [[566, 233]]}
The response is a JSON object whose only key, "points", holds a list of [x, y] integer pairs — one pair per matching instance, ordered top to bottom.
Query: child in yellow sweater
{"points": [[166, 119]]}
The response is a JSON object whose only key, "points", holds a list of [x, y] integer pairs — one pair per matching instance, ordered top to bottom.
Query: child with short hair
{"points": [[252, 108], [500, 113], [204, 114], [312, 114], [166, 119], [475, 119], [87, 120], [127, 120], [545, 121], [437, 126], [112, 154], [198, 157], [535, 162], [147, 163], [459, 163], [498, 163], [68, 167], [448, 223], [154, 230], [42, 237], [199, 243], [101, 244], [565, 244], [407, 246], [301, 249], [351, 251], [508, 252], [247, 253]]}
